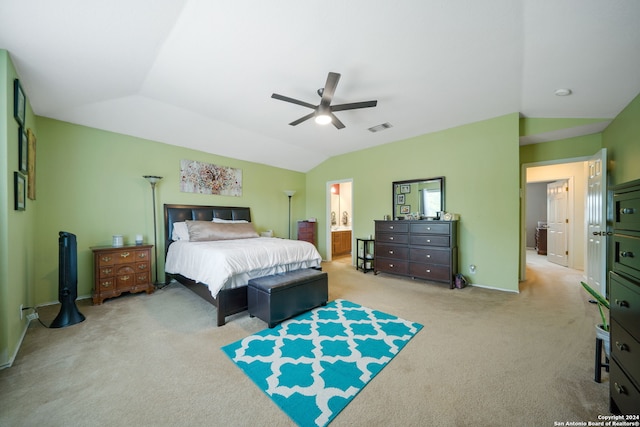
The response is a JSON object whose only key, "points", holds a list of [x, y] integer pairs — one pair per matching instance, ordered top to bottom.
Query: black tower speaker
{"points": [[68, 282]]}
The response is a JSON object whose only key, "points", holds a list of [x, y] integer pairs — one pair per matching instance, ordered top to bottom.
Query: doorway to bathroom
{"points": [[339, 219]]}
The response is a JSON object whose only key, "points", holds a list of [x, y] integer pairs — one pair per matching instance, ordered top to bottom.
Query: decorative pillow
{"points": [[229, 221], [180, 231], [202, 231]]}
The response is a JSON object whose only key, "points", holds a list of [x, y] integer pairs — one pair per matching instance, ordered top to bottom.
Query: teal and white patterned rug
{"points": [[311, 366]]}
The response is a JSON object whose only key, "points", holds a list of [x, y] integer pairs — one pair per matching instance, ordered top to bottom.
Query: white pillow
{"points": [[229, 221], [180, 231]]}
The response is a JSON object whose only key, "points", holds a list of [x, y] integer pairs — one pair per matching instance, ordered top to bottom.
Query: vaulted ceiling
{"points": [[200, 73]]}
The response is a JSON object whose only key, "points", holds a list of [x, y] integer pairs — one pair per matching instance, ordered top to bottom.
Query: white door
{"points": [[557, 219], [596, 222]]}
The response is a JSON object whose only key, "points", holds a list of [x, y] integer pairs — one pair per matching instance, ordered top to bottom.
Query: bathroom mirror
{"points": [[418, 198]]}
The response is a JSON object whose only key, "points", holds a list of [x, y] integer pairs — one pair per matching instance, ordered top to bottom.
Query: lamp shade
{"points": [[152, 178], [289, 192]]}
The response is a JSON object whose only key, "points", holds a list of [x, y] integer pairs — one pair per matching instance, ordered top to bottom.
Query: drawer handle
{"points": [[627, 211], [391, 227], [429, 228], [391, 238], [428, 240], [390, 252], [124, 254], [626, 254], [142, 255], [428, 256], [106, 258], [390, 265], [142, 266], [107, 271], [428, 271], [124, 278], [106, 284], [621, 303], [622, 346], [620, 388]]}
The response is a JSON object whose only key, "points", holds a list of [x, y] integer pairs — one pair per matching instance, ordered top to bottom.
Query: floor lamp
{"points": [[153, 180], [290, 194]]}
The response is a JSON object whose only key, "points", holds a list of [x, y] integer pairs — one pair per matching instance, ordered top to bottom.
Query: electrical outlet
{"points": [[472, 269], [21, 305], [32, 316]]}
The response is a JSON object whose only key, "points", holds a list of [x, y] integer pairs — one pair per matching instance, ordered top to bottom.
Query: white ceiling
{"points": [[200, 73]]}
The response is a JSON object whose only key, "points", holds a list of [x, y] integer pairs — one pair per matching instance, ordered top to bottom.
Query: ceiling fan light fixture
{"points": [[323, 119]]}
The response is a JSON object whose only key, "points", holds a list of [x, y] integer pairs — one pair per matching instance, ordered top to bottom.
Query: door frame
{"points": [[523, 204], [327, 216]]}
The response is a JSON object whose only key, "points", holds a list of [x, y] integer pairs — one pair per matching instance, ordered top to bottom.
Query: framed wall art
{"points": [[19, 103], [23, 150], [31, 177], [205, 178], [405, 188], [19, 191], [400, 199], [405, 209]]}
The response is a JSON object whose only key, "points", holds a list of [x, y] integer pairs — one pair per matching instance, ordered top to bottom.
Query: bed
{"points": [[218, 270]]}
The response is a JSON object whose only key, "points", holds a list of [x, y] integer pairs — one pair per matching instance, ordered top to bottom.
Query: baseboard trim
{"points": [[476, 285]]}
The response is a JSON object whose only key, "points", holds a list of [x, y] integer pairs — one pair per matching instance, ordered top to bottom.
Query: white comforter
{"points": [[231, 263]]}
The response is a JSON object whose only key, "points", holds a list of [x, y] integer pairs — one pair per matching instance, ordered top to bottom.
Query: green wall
{"points": [[622, 140], [570, 148], [480, 164], [90, 182], [17, 228]]}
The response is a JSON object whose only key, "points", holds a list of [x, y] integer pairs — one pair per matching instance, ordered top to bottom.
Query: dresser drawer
{"points": [[627, 210], [392, 226], [431, 227], [397, 238], [430, 240], [392, 251], [626, 254], [431, 256], [116, 257], [389, 265], [106, 271], [430, 271], [625, 303], [625, 349], [622, 390]]}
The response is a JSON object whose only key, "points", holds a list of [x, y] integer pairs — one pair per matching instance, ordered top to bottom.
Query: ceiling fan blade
{"points": [[329, 89], [293, 101], [354, 105], [302, 119], [336, 122]]}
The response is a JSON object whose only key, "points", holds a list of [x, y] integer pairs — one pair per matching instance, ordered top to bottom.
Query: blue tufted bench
{"points": [[281, 296]]}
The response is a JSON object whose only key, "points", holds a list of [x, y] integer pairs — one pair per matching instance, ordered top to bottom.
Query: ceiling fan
{"points": [[323, 112]]}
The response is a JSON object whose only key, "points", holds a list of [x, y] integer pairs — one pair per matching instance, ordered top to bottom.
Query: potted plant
{"points": [[602, 330]]}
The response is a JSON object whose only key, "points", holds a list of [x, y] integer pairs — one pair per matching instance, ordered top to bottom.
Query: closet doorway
{"points": [[339, 219]]}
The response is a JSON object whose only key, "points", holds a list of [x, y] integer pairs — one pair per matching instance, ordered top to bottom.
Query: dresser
{"points": [[307, 231], [541, 241], [420, 249], [121, 269], [624, 299]]}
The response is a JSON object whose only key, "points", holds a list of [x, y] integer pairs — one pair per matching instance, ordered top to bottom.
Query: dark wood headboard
{"points": [[179, 213]]}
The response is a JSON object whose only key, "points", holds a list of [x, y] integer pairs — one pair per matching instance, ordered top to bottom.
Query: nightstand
{"points": [[121, 269]]}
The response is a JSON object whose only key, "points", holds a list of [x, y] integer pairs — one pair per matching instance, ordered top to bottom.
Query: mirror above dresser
{"points": [[418, 198]]}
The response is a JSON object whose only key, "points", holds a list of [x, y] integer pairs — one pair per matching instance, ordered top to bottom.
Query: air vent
{"points": [[378, 128]]}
